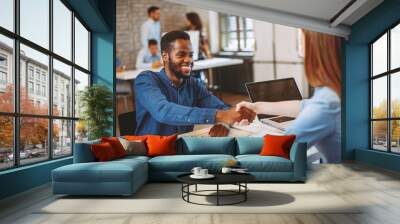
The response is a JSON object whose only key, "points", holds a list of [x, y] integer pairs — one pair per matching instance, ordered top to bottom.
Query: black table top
{"points": [[220, 178]]}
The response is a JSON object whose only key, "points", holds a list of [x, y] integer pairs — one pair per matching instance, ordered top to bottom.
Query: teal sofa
{"points": [[125, 176]]}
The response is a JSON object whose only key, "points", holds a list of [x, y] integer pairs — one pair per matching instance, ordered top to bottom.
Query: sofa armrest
{"points": [[83, 152], [298, 155]]}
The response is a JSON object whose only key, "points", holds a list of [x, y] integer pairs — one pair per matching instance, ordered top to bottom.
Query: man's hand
{"points": [[245, 104], [247, 114], [228, 116], [231, 116], [218, 130]]}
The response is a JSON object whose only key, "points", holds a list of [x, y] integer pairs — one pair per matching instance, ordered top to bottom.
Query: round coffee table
{"points": [[238, 179]]}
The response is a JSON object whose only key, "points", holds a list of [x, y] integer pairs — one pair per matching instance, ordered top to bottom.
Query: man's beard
{"points": [[174, 69]]}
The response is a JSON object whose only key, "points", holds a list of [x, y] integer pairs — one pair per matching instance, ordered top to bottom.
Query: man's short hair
{"points": [[152, 9], [171, 37], [152, 42]]}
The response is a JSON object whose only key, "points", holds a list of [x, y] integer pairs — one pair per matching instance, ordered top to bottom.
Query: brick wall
{"points": [[132, 13]]}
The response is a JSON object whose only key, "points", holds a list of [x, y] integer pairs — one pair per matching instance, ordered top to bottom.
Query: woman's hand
{"points": [[248, 105]]}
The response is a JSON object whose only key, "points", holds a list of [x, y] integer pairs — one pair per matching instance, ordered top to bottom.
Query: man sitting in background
{"points": [[149, 58], [171, 101]]}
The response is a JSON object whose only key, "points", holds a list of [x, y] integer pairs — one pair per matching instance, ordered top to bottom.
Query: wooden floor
{"points": [[378, 188]]}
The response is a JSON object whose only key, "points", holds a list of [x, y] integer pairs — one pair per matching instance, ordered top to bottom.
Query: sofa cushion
{"points": [[116, 145], [161, 145], [206, 145], [249, 145], [277, 145], [134, 147], [83, 152], [103, 152], [185, 163], [257, 163], [112, 171]]}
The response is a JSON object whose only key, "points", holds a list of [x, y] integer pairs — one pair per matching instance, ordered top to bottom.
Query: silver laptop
{"points": [[274, 91]]}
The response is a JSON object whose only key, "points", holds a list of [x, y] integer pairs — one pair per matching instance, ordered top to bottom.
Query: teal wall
{"points": [[99, 16], [103, 52], [356, 83]]}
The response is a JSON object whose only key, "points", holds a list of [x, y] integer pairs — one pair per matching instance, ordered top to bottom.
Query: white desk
{"points": [[197, 65], [255, 129]]}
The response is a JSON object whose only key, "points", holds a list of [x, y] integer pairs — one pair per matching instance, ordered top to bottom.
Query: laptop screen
{"points": [[273, 91]]}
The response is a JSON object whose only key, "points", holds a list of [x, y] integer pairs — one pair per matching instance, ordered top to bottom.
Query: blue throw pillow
{"points": [[206, 145], [249, 145]]}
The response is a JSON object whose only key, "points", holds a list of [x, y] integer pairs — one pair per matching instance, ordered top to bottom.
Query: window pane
{"points": [[7, 14], [35, 21], [232, 23], [249, 24], [62, 29], [81, 45], [395, 47], [379, 55], [34, 72], [6, 74], [81, 81], [62, 89], [395, 94], [379, 98], [81, 131], [379, 135], [395, 136], [62, 138], [33, 139], [6, 142]]}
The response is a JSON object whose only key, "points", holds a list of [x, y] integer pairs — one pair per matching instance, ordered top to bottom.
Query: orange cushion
{"points": [[135, 137], [116, 145], [161, 145], [277, 145], [103, 151]]}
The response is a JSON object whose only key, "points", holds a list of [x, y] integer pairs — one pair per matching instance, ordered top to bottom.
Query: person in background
{"points": [[193, 22], [151, 28], [149, 58], [118, 64], [171, 101], [318, 121]]}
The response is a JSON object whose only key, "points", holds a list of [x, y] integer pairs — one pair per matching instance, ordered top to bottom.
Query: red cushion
{"points": [[135, 137], [116, 145], [161, 145], [277, 145], [103, 151]]}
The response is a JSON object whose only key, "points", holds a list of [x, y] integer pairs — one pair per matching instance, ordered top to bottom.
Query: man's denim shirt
{"points": [[163, 109]]}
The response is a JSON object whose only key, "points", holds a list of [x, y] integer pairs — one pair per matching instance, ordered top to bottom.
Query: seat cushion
{"points": [[206, 145], [249, 145], [185, 163], [257, 163], [112, 171]]}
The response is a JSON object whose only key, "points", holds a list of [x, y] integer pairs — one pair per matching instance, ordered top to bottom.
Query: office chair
{"points": [[127, 123]]}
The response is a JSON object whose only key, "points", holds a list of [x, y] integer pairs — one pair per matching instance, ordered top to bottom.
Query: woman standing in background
{"points": [[193, 22]]}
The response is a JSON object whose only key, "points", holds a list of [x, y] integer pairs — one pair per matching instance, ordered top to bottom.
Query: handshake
{"points": [[229, 117]]}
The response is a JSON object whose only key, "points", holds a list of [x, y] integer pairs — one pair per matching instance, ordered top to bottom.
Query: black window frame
{"points": [[388, 74], [16, 115]]}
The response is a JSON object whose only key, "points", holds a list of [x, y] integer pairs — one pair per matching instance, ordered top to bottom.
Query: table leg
{"points": [[195, 188], [245, 193], [217, 194]]}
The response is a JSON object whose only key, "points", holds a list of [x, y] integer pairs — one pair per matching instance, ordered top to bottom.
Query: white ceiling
{"points": [[321, 9], [317, 15]]}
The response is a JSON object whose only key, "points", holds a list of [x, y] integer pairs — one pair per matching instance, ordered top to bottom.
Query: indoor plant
{"points": [[96, 102]]}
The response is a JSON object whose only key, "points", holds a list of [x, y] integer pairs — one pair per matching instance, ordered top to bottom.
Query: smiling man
{"points": [[171, 101]]}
